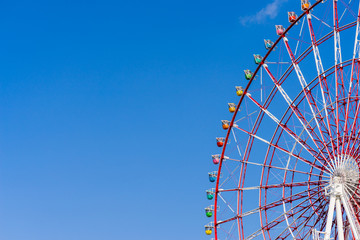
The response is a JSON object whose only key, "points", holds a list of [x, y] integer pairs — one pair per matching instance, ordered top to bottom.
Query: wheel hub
{"points": [[347, 173]]}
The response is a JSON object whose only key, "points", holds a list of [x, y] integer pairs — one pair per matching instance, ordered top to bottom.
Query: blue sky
{"points": [[110, 109]]}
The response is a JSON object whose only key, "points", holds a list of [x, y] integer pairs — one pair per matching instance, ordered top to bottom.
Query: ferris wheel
{"points": [[288, 160]]}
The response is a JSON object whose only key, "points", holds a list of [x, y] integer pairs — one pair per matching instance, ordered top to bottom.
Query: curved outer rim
{"points": [[238, 106]]}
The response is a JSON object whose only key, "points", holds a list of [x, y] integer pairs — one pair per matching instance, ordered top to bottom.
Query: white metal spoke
{"points": [[346, 9], [321, 21], [301, 29], [338, 66], [321, 76], [306, 91], [300, 119], [277, 121], [237, 145], [280, 168], [281, 185], [227, 203]]}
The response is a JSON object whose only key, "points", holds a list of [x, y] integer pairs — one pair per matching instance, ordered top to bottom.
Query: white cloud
{"points": [[269, 11]]}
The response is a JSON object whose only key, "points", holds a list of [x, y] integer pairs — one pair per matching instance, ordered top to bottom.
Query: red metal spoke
{"points": [[339, 82], [285, 151], [280, 168], [281, 185]]}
